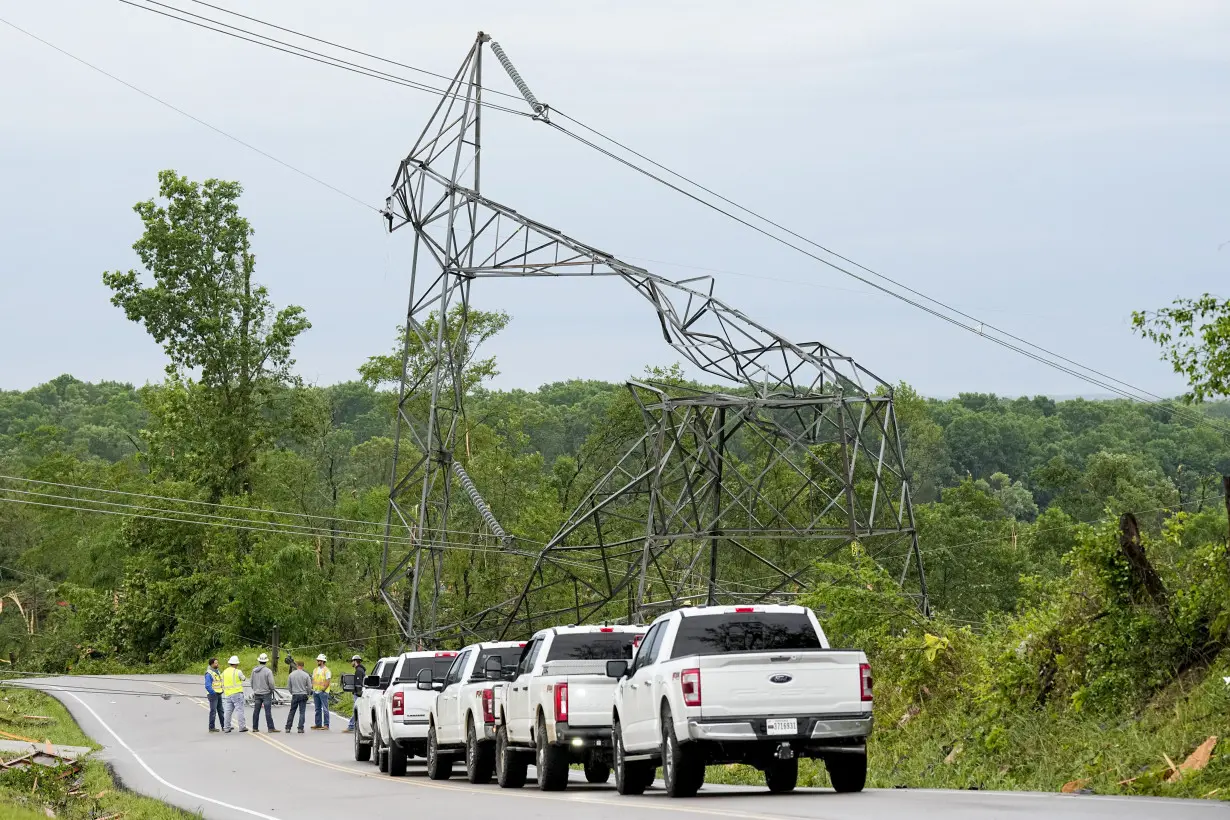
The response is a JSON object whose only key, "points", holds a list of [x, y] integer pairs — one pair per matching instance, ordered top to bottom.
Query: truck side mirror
{"points": [[493, 669], [616, 669], [424, 680], [371, 682], [348, 683]]}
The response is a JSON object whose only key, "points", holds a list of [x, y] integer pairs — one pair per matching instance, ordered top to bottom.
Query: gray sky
{"points": [[1047, 166]]}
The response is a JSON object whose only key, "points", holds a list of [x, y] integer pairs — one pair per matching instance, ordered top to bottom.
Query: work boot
{"points": [[318, 728], [244, 729], [287, 729], [213, 730], [256, 731], [275, 731], [300, 731], [347, 731]]}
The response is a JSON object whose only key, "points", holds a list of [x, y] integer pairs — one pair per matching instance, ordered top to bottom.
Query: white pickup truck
{"points": [[739, 684], [365, 704], [555, 707], [402, 709], [463, 715]]}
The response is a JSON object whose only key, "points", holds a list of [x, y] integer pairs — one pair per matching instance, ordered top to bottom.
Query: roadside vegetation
{"points": [[1069, 645], [81, 790]]}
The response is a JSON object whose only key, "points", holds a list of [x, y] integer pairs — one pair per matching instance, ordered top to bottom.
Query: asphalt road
{"points": [[160, 748]]}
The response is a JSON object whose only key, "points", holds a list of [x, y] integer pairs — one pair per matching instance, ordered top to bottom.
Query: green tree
{"points": [[1194, 335], [229, 350]]}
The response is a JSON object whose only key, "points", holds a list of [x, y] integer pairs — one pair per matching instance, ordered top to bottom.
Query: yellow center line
{"points": [[488, 792]]}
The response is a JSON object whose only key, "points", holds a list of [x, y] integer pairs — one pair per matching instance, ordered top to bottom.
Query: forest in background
{"points": [[147, 528]]}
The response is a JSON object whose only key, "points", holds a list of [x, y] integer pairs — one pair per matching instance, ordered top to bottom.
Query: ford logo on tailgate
{"points": [[780, 679]]}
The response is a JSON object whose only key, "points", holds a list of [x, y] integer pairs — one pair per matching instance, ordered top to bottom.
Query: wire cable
{"points": [[308, 54], [192, 117]]}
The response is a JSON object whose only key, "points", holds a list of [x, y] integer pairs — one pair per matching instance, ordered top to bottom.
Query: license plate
{"points": [[782, 726]]}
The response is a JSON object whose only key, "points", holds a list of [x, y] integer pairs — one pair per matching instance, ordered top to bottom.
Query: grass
{"points": [[29, 792]]}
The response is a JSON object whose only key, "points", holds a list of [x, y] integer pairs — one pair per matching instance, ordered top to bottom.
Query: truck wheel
{"points": [[362, 751], [382, 754], [480, 759], [397, 760], [551, 762], [509, 766], [439, 767], [683, 768], [597, 771], [848, 773], [782, 776], [630, 778]]}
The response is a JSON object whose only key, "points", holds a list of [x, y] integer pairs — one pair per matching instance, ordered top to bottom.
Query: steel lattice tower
{"points": [[800, 458]]}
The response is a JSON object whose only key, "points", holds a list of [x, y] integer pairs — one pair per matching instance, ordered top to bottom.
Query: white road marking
{"points": [[155, 774]]}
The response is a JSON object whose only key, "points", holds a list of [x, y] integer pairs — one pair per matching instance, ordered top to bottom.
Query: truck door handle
{"points": [[632, 686]]}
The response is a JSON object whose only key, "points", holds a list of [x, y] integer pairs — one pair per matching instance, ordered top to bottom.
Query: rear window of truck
{"points": [[744, 632], [592, 646], [508, 659], [411, 667]]}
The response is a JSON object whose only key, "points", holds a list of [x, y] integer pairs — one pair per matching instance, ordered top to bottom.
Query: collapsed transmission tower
{"points": [[729, 496]]}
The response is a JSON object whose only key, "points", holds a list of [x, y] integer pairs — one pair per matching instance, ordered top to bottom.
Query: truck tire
{"points": [[362, 751], [382, 753], [480, 757], [397, 760], [551, 762], [509, 766], [439, 767], [683, 767], [597, 771], [848, 773], [781, 776], [630, 777]]}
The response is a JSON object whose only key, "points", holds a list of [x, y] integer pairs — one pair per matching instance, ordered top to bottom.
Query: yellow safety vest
{"points": [[320, 678], [216, 679], [232, 681]]}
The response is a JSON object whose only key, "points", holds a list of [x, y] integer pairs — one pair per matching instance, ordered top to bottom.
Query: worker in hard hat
{"points": [[359, 673], [322, 679], [299, 684], [213, 691], [232, 694], [262, 694]]}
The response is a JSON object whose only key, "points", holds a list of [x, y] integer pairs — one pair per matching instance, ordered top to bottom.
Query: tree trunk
{"points": [[1225, 488], [1143, 573]]}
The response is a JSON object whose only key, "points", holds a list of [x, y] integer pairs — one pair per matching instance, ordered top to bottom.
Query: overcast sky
{"points": [[1047, 166]]}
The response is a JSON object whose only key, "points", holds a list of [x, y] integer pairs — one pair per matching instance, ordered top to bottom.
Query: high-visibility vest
{"points": [[320, 678], [215, 679], [232, 681]]}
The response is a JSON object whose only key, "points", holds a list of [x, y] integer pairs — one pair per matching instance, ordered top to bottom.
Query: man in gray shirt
{"points": [[300, 685], [262, 693]]}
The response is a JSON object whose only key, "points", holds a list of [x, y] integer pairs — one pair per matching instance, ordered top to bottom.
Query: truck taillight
{"points": [[745, 609], [606, 629], [864, 676], [689, 681], [561, 702], [399, 703], [488, 706]]}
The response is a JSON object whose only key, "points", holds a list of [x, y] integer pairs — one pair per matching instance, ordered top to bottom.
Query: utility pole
{"points": [[276, 636]]}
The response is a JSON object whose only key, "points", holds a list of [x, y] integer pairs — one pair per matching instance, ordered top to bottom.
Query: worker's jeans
{"points": [[321, 699], [257, 700], [297, 702], [234, 706], [215, 708]]}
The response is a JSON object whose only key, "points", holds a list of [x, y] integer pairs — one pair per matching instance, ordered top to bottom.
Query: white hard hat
{"points": [[321, 657], [356, 657], [263, 658], [234, 661]]}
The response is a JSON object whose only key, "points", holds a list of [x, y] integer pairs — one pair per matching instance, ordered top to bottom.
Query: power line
{"points": [[307, 54], [192, 117], [313, 529], [451, 546]]}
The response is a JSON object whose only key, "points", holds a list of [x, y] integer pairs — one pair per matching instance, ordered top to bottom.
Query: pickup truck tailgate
{"points": [[780, 683], [591, 694]]}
